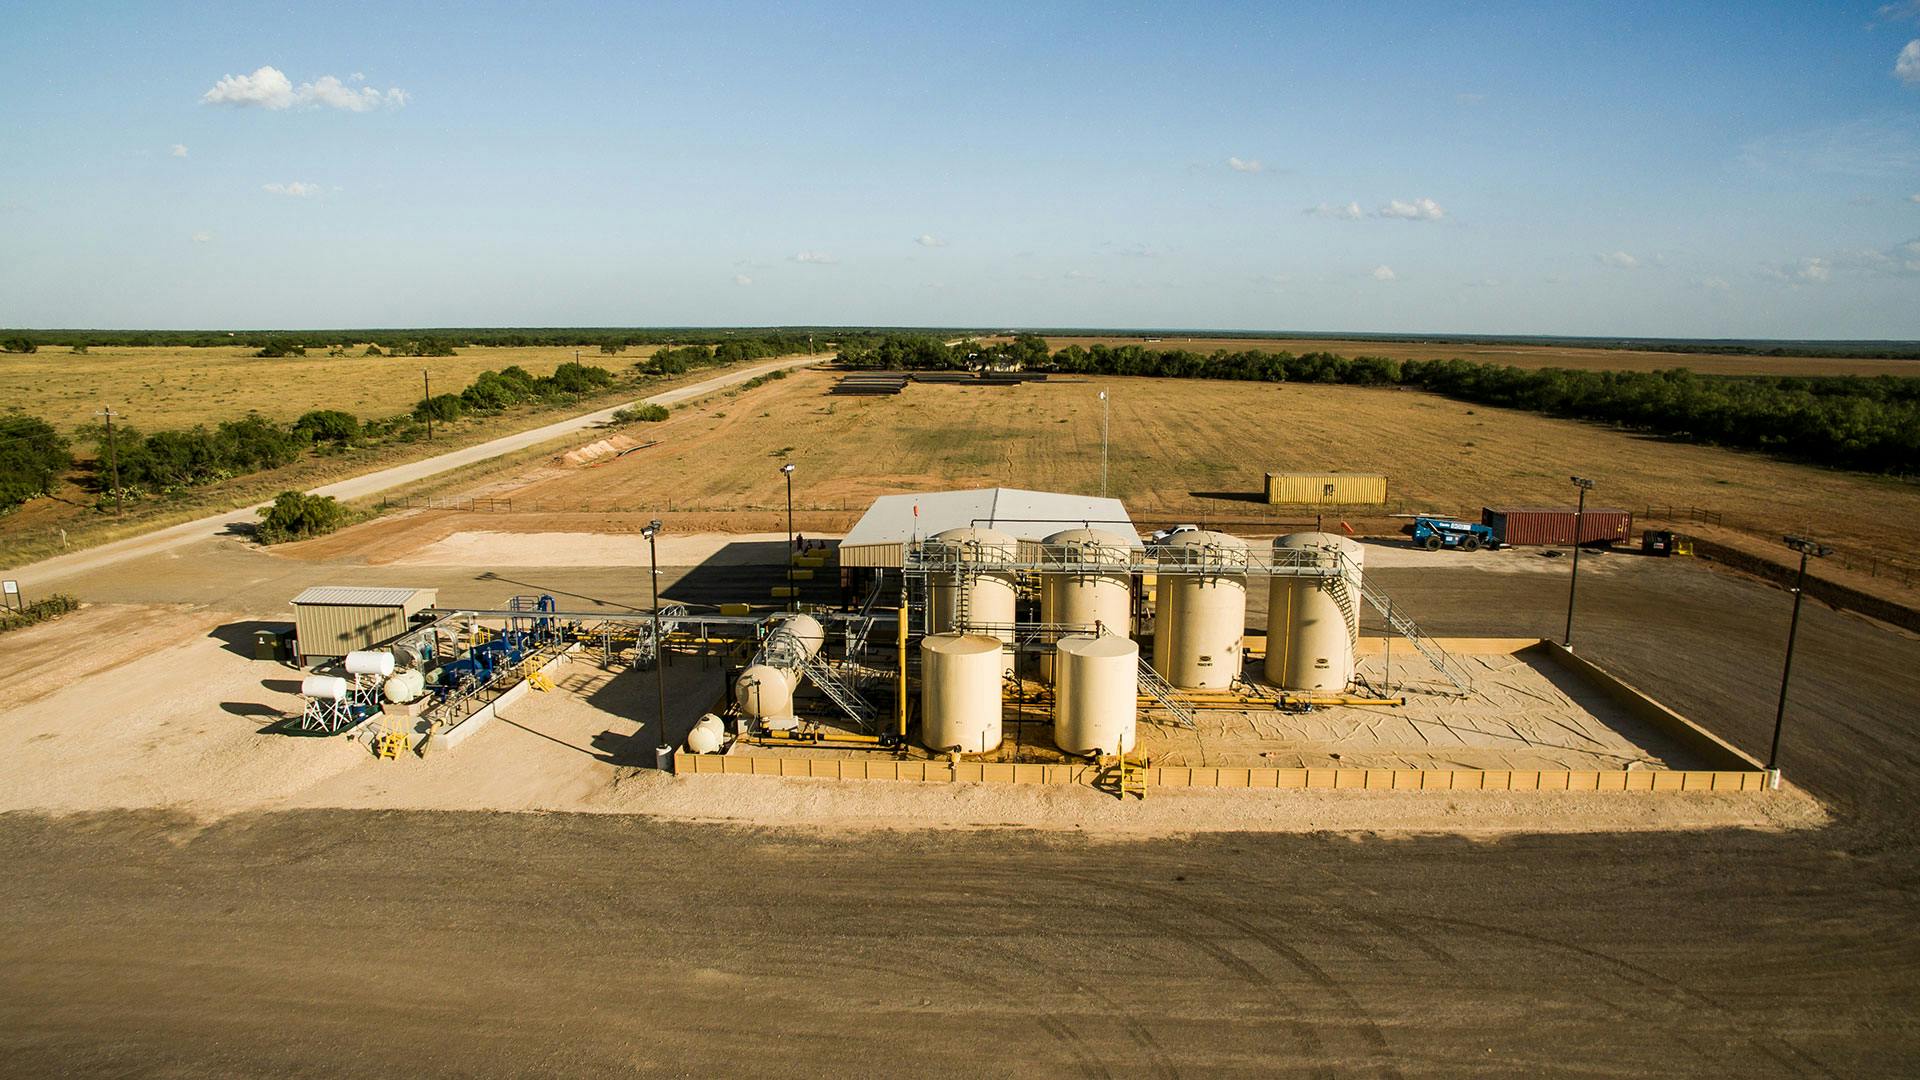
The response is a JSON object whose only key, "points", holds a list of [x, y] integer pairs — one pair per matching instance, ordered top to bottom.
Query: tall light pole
{"points": [[1103, 444], [113, 456], [788, 470], [1579, 534], [1805, 547], [663, 751]]}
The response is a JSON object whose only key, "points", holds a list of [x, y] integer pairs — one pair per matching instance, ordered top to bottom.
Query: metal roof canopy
{"points": [[878, 539], [363, 596]]}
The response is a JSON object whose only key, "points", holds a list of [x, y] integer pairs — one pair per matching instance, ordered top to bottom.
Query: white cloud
{"points": [[1905, 10], [1907, 67], [358, 76], [269, 88], [178, 150], [1242, 165], [296, 188], [1914, 198], [1417, 210], [1349, 212], [203, 237], [929, 240], [818, 258], [1620, 260], [1814, 270], [1384, 272], [1079, 275], [742, 279], [1718, 284]]}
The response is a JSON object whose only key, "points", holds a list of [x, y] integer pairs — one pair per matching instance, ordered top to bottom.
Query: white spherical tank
{"points": [[1091, 587], [978, 598], [1202, 610], [1313, 623], [369, 662], [324, 687], [404, 687], [960, 692], [765, 693], [1096, 696], [707, 736]]}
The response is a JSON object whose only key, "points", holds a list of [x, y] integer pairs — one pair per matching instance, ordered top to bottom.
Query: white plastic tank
{"points": [[1091, 587], [979, 598], [1201, 612], [1313, 623], [369, 662], [324, 687], [404, 687], [960, 692], [765, 693], [1096, 697], [707, 736]]}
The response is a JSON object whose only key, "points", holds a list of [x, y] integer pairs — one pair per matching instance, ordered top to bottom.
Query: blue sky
{"points": [[1740, 170]]}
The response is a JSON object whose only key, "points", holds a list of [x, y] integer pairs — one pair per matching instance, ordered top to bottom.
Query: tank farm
{"points": [[1003, 636]]}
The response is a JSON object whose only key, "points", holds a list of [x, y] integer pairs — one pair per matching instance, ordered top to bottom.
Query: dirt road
{"points": [[51, 570]]}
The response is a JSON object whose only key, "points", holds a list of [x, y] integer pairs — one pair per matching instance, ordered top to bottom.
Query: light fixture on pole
{"points": [[1103, 444], [788, 470], [1579, 534], [1806, 548], [663, 750]]}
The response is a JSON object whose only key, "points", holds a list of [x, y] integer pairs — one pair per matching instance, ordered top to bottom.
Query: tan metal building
{"points": [[1326, 489], [334, 620]]}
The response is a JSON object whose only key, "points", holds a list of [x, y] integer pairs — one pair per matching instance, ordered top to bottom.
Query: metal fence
{"points": [[1874, 564]]}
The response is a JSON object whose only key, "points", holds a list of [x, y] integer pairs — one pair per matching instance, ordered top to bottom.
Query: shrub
{"points": [[19, 345], [281, 347], [79, 350], [373, 350], [573, 378], [444, 408], [641, 413], [327, 425], [32, 457], [295, 516], [39, 611]]}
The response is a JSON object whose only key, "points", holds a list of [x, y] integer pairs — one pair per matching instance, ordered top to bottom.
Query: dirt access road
{"points": [[65, 566], [337, 942]]}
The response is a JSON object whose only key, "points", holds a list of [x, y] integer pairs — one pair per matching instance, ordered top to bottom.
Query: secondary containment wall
{"points": [[1326, 489]]}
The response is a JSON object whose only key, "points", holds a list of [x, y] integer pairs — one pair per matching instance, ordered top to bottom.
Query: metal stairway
{"points": [[1442, 662], [822, 675], [1163, 694]]}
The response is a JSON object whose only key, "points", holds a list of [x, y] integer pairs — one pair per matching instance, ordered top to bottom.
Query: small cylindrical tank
{"points": [[1087, 584], [981, 599], [1201, 611], [1313, 623], [369, 662], [405, 686], [324, 687], [960, 692], [765, 693], [1096, 694], [707, 736]]}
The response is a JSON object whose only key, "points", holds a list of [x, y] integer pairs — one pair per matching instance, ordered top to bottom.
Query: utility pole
{"points": [[427, 402], [1103, 444], [113, 457], [788, 470], [1805, 547], [1573, 582], [663, 751]]}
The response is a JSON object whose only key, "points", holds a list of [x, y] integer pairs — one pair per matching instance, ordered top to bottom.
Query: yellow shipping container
{"points": [[1326, 489]]}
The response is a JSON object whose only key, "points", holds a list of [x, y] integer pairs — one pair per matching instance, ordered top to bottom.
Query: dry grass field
{"points": [[1525, 356], [158, 388], [1179, 449]]}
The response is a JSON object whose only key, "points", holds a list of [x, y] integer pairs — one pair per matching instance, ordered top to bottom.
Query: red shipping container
{"points": [[1554, 525]]}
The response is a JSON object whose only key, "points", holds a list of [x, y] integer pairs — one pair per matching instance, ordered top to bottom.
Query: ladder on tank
{"points": [[1442, 661], [822, 676], [1164, 695]]}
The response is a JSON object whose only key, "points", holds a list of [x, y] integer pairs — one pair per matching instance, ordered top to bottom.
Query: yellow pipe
{"points": [[901, 705]]}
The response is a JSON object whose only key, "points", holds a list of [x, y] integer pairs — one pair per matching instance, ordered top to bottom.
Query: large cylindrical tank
{"points": [[1088, 584], [979, 598], [1201, 611], [1313, 623], [803, 630], [369, 662], [324, 687], [960, 692], [765, 693], [1096, 696]]}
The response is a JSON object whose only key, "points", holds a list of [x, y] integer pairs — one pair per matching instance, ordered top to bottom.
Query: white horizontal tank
{"points": [[1087, 584], [976, 598], [1201, 613], [1313, 623], [369, 662], [324, 687], [404, 687], [765, 690], [960, 692], [1096, 706]]}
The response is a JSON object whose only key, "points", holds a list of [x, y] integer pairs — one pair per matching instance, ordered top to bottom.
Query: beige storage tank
{"points": [[1091, 587], [980, 599], [1201, 613], [1313, 624], [765, 690], [960, 692], [1096, 704]]}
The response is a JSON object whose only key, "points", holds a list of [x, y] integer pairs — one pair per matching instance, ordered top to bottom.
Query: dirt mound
{"points": [[599, 450]]}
